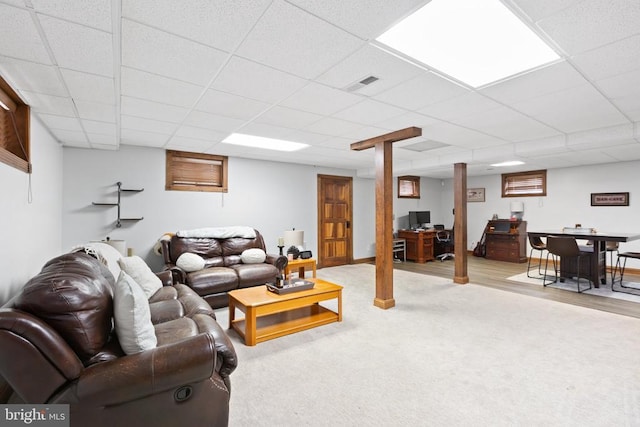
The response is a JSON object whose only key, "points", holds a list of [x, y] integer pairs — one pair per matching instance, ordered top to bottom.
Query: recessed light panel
{"points": [[474, 41], [262, 142], [508, 163]]}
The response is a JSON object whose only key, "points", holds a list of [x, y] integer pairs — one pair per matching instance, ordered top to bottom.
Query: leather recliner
{"points": [[58, 346]]}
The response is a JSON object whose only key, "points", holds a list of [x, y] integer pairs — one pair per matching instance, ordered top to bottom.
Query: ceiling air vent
{"points": [[362, 83]]}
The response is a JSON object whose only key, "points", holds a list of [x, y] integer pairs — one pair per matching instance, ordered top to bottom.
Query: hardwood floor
{"points": [[493, 274]]}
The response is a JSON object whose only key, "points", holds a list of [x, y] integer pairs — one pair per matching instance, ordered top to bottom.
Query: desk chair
{"points": [[444, 239], [536, 245], [564, 247], [620, 267]]}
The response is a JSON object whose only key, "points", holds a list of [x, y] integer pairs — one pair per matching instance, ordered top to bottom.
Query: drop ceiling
{"points": [[166, 74]]}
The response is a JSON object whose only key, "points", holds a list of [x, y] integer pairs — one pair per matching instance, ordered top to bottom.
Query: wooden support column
{"points": [[384, 210], [460, 275]]}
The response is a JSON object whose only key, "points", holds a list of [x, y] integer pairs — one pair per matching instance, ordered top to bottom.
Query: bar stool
{"points": [[536, 245], [564, 247], [620, 266]]}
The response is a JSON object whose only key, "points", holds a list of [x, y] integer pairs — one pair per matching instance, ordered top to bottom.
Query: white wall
{"points": [[270, 196], [568, 202], [31, 232]]}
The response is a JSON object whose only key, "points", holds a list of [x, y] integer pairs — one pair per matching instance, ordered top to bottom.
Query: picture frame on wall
{"points": [[475, 194], [610, 199]]}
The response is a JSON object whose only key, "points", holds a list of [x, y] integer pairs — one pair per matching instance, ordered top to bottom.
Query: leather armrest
{"points": [[279, 261], [178, 274], [166, 277], [149, 372]]}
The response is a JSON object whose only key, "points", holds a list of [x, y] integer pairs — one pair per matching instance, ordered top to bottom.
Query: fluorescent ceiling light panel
{"points": [[474, 41], [262, 142], [509, 163]]}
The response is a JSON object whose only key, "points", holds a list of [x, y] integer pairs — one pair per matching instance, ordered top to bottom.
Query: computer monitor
{"points": [[418, 218]]}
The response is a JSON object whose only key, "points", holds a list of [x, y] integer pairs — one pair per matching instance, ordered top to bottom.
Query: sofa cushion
{"points": [[253, 256], [190, 262], [135, 267], [254, 274], [213, 280], [73, 296], [132, 316]]}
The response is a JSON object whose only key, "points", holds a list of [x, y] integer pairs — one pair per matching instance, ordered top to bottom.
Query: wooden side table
{"points": [[300, 264]]}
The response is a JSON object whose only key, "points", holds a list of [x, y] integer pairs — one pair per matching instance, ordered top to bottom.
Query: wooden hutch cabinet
{"points": [[506, 240], [419, 244]]}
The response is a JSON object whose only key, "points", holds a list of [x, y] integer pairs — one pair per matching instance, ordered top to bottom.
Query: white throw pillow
{"points": [[108, 253], [253, 256], [190, 262], [135, 267], [132, 316]]}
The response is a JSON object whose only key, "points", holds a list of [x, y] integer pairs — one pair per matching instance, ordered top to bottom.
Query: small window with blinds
{"points": [[14, 129], [196, 172], [522, 184], [409, 187]]}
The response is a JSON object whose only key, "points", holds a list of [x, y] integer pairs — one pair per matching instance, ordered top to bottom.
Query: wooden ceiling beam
{"points": [[395, 136]]}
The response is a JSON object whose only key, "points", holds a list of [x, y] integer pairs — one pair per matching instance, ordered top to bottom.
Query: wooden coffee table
{"points": [[268, 315]]}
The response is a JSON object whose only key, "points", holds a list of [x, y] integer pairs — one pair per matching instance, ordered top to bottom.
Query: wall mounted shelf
{"points": [[120, 191]]}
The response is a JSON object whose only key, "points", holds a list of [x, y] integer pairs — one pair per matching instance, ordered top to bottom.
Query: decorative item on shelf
{"points": [[517, 211], [494, 217], [280, 245], [294, 252], [305, 254]]}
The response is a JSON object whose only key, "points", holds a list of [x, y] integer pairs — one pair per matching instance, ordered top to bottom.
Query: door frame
{"points": [[319, 203]]}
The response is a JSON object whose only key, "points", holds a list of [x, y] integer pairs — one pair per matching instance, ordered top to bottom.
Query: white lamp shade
{"points": [[517, 207], [293, 238], [120, 245]]}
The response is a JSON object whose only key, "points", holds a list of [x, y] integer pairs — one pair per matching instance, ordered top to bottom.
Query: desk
{"points": [[419, 244], [597, 266]]}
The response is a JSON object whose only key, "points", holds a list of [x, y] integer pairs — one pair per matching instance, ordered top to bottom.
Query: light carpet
{"points": [[570, 285], [446, 355]]}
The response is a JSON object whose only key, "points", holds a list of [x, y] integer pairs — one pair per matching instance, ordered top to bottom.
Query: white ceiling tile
{"points": [[14, 2], [538, 9], [94, 13], [366, 21], [592, 23], [221, 24], [20, 37], [290, 39], [78, 47], [161, 53], [610, 60], [370, 61], [32, 77], [553, 78], [255, 81], [139, 84], [621, 86], [89, 87], [423, 90], [321, 99], [41, 103], [228, 105], [465, 105], [152, 110], [573, 110], [96, 111], [369, 112], [288, 117], [406, 120], [213, 121], [61, 122], [505, 123], [147, 125], [94, 127], [333, 127], [263, 129], [365, 132], [201, 133], [451, 134], [70, 137], [307, 137], [600, 137], [145, 139], [101, 141], [182, 143], [544, 146], [624, 152], [491, 154]]}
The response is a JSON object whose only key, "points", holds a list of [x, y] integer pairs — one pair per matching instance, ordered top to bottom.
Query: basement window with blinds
{"points": [[14, 129], [196, 172], [522, 184]]}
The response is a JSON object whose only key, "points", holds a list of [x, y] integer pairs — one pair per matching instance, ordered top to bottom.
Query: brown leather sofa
{"points": [[223, 267], [58, 346]]}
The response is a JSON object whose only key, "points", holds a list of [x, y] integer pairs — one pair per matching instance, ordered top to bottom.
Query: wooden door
{"points": [[334, 220]]}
